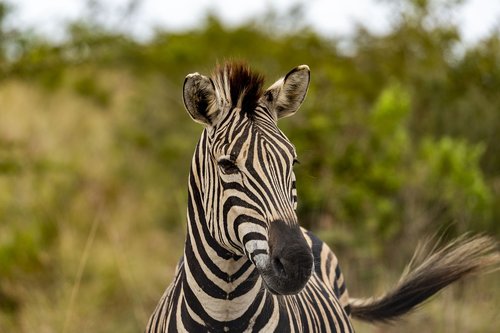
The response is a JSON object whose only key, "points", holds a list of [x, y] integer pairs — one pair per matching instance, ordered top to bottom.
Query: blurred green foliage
{"points": [[398, 138]]}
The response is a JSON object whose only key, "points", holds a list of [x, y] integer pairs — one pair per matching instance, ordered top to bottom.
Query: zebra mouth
{"points": [[284, 261], [290, 261], [285, 277], [279, 280], [269, 288]]}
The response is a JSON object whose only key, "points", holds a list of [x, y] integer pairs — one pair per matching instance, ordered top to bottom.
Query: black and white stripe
{"points": [[247, 265]]}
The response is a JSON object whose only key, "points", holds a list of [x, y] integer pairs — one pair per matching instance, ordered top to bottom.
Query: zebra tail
{"points": [[429, 271]]}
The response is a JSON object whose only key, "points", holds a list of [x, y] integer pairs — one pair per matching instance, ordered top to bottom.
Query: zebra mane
{"points": [[237, 84]]}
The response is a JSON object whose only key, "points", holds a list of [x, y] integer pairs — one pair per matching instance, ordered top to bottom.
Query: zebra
{"points": [[247, 265]]}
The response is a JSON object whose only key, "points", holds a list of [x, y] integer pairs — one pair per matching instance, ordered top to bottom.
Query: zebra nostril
{"points": [[290, 259], [278, 266]]}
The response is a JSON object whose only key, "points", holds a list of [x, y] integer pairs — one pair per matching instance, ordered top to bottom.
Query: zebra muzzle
{"points": [[290, 260]]}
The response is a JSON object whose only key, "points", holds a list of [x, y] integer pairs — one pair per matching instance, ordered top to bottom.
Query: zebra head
{"points": [[243, 168]]}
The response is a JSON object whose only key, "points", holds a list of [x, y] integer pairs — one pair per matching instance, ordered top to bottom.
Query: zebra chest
{"points": [[315, 309]]}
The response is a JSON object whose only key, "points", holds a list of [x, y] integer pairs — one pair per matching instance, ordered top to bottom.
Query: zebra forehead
{"points": [[238, 85], [234, 140]]}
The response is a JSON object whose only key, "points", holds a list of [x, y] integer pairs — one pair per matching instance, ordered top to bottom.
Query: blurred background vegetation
{"points": [[399, 138]]}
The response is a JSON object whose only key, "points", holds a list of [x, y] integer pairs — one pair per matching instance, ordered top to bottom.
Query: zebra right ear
{"points": [[287, 94], [199, 99]]}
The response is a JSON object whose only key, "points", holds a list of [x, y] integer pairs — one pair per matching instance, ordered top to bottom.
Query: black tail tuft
{"points": [[430, 271]]}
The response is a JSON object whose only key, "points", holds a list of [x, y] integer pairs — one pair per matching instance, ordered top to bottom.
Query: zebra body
{"points": [[247, 265], [322, 306]]}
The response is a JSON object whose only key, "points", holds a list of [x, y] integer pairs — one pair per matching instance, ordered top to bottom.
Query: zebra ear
{"points": [[287, 94], [199, 98]]}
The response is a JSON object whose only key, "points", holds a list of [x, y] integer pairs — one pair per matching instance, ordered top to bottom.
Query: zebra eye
{"points": [[228, 167]]}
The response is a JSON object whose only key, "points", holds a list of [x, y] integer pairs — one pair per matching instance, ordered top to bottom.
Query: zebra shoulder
{"points": [[327, 268]]}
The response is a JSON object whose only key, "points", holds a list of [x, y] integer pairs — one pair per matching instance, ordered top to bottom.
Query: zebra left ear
{"points": [[286, 95], [200, 99]]}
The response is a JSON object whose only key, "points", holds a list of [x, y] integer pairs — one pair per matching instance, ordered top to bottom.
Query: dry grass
{"points": [[109, 261]]}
